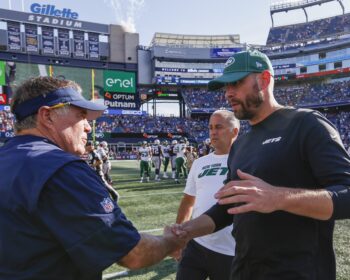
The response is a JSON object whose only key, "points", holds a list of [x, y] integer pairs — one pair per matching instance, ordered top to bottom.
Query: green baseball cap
{"points": [[239, 66]]}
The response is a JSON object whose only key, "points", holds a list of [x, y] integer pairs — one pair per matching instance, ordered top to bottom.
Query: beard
{"points": [[247, 107]]}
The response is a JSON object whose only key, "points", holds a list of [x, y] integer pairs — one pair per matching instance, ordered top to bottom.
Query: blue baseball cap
{"points": [[64, 96]]}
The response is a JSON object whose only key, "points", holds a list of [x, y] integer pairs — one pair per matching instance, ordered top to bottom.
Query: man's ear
{"points": [[266, 79], [44, 115], [235, 132]]}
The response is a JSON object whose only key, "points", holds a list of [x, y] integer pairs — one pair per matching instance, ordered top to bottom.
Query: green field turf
{"points": [[152, 205]]}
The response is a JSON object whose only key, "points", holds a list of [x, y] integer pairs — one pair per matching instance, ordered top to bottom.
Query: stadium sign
{"points": [[50, 10], [49, 14], [14, 17], [55, 21], [223, 52], [2, 73], [119, 81], [3, 98], [122, 100]]}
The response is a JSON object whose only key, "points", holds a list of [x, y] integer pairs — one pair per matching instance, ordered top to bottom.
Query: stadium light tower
{"points": [[288, 5]]}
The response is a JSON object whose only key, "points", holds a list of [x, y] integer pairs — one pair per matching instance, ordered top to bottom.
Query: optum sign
{"points": [[119, 81]]}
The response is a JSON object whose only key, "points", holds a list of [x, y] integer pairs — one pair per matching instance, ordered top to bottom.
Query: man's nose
{"points": [[230, 92], [87, 126]]}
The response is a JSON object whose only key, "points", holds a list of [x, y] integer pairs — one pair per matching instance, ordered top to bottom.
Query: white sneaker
{"points": [[165, 176], [147, 179], [157, 179], [141, 181]]}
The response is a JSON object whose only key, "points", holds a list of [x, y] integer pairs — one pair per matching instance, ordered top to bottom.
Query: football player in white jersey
{"points": [[180, 149], [172, 155], [144, 156], [156, 157], [166, 157], [106, 163], [211, 255]]}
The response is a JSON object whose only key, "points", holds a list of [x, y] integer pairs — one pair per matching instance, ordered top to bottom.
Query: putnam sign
{"points": [[129, 101]]}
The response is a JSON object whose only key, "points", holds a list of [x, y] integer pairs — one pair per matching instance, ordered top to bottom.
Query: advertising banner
{"points": [[14, 36], [31, 38], [47, 40], [63, 42], [78, 44], [93, 46], [223, 52], [284, 66], [184, 70], [2, 73], [168, 80], [119, 81], [3, 99], [128, 101], [124, 112], [7, 134], [149, 136]]}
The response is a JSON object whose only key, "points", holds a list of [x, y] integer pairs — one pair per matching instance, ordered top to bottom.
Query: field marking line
{"points": [[148, 194], [151, 230], [115, 274]]}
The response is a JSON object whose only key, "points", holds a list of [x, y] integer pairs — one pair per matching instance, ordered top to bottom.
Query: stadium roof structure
{"points": [[288, 5], [195, 41]]}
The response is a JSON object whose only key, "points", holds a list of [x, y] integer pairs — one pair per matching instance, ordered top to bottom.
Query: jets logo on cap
{"points": [[230, 61], [259, 65]]}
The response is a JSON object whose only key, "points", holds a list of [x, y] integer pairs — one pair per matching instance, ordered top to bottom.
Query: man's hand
{"points": [[251, 194], [179, 230], [176, 242]]}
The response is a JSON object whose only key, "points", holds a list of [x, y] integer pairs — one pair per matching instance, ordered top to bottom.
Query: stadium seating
{"points": [[314, 30], [306, 95], [203, 99], [6, 121]]}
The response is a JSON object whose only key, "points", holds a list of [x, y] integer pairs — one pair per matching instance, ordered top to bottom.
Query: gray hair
{"points": [[34, 87], [229, 118]]}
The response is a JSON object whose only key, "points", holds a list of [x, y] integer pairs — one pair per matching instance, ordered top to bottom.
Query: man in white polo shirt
{"points": [[211, 255]]}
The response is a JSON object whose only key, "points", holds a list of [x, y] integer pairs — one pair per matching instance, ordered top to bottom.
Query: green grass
{"points": [[153, 205], [149, 206]]}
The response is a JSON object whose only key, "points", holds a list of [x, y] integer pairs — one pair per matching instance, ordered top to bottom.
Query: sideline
{"points": [[148, 194]]}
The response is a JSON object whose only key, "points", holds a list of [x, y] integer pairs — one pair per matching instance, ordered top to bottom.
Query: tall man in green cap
{"points": [[288, 181]]}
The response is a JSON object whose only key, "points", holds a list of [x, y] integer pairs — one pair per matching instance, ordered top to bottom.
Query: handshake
{"points": [[177, 235], [176, 238]]}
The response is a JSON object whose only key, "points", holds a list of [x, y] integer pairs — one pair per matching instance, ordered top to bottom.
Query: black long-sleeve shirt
{"points": [[293, 148]]}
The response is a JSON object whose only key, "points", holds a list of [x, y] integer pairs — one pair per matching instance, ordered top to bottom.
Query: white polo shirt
{"points": [[204, 180]]}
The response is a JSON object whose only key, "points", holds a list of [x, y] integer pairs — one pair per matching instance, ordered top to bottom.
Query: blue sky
{"points": [[248, 18]]}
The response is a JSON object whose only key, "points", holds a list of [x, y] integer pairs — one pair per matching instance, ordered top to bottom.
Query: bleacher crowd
{"points": [[314, 30], [297, 95], [6, 121]]}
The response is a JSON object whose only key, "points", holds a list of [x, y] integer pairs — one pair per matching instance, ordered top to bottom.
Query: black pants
{"points": [[198, 263]]}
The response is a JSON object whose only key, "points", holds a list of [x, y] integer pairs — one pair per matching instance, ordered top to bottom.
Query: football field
{"points": [[151, 206]]}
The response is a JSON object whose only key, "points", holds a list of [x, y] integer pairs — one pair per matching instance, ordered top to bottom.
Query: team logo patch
{"points": [[230, 61], [259, 65], [107, 205]]}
